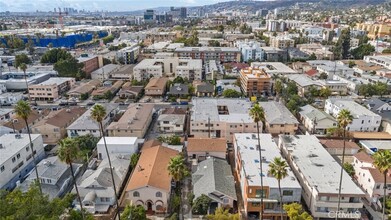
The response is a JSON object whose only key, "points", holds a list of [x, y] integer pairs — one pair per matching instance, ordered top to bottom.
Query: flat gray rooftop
{"points": [[204, 108], [11, 145], [317, 166]]}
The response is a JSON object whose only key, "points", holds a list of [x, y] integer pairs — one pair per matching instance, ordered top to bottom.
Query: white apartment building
{"points": [[250, 50], [129, 54], [382, 60], [186, 68], [105, 72], [221, 117], [363, 118], [171, 123], [125, 146], [16, 159], [247, 166], [318, 174], [369, 178]]}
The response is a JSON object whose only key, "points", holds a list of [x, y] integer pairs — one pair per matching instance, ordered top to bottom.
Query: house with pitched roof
{"points": [[156, 86], [279, 120], [315, 120], [53, 126], [199, 149], [214, 179], [370, 179], [150, 183], [96, 188]]}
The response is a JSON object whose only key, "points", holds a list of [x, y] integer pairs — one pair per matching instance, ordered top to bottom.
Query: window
{"points": [[27, 149], [18, 156], [13, 160], [2, 168], [378, 186], [260, 192], [287, 193], [136, 194], [158, 194], [225, 201], [256, 204]]}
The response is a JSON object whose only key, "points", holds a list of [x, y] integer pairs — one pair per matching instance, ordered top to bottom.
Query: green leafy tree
{"points": [[108, 39], [214, 43], [342, 48], [362, 50], [54, 55], [312, 57], [21, 58], [69, 68], [278, 87], [381, 88], [325, 92], [231, 93], [23, 110], [98, 113], [257, 113], [344, 118], [67, 153], [134, 159], [382, 161], [349, 169], [279, 170], [32, 205], [201, 205], [133, 212], [295, 212], [222, 214]]}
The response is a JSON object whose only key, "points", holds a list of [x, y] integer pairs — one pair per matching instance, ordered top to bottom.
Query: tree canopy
{"points": [[22, 58], [231, 93], [32, 205], [201, 205], [295, 211], [133, 212], [223, 214]]}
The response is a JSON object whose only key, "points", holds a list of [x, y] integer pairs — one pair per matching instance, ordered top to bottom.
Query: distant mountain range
{"points": [[257, 5]]}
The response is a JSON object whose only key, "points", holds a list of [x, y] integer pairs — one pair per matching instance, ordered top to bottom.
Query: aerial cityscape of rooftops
{"points": [[182, 110]]}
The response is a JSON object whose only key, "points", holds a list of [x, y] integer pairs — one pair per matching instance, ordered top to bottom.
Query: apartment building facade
{"points": [[222, 54], [190, 69], [255, 81], [51, 89], [221, 117], [363, 118], [16, 157], [247, 167], [318, 174]]}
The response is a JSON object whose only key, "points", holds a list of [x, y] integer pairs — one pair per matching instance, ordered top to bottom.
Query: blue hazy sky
{"points": [[92, 5]]}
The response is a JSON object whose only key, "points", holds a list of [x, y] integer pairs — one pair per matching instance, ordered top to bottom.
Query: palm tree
{"points": [[23, 67], [23, 110], [98, 113], [258, 115], [344, 118], [68, 152], [382, 161], [178, 169], [279, 170]]}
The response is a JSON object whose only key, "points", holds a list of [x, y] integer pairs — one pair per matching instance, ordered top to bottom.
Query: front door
{"points": [[149, 205]]}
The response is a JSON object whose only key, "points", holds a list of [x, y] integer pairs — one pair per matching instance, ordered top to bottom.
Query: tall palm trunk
{"points": [[27, 85], [32, 153], [260, 164], [111, 170], [340, 178], [77, 190], [384, 194], [282, 210]]}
